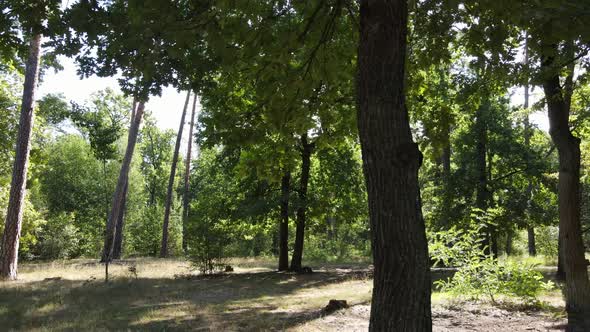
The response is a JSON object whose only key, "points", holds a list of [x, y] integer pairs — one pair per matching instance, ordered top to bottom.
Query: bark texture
{"points": [[306, 151], [391, 159], [187, 173], [120, 191], [169, 193], [14, 212], [284, 223], [118, 245], [577, 285]]}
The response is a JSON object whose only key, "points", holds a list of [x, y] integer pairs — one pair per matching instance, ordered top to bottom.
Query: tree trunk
{"points": [[527, 143], [306, 151], [391, 159], [187, 171], [446, 175], [169, 193], [482, 194], [117, 206], [14, 213], [284, 224], [509, 238], [531, 241], [118, 246], [577, 285]]}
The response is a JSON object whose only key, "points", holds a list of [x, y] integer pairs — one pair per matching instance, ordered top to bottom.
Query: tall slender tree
{"points": [[391, 159], [187, 170], [169, 193], [117, 208], [14, 214], [118, 246]]}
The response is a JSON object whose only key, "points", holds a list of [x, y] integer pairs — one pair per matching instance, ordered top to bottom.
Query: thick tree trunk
{"points": [[306, 151], [391, 159], [187, 172], [169, 193], [117, 206], [14, 213], [284, 223], [118, 245], [577, 285]]}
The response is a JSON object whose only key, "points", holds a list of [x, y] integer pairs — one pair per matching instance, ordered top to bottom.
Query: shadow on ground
{"points": [[208, 303]]}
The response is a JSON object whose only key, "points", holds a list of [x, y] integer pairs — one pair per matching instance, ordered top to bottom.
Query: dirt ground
{"points": [[165, 295], [467, 317]]}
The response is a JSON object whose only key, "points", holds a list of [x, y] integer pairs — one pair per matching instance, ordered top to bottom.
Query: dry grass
{"points": [[166, 296]]}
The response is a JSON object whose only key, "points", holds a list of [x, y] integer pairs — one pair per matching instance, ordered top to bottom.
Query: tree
{"points": [[306, 151], [187, 171], [14, 215], [164, 246], [400, 301]]}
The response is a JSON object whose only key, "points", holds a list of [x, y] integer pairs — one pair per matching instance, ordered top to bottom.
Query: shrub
{"points": [[58, 237], [206, 246], [479, 274]]}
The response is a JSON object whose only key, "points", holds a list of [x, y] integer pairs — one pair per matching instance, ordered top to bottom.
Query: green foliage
{"points": [[58, 238], [207, 245], [481, 275]]}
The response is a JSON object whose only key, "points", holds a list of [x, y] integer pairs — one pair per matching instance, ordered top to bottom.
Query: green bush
{"points": [[58, 238], [206, 246], [478, 274]]}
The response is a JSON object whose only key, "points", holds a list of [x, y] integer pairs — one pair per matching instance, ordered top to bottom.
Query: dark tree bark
{"points": [[527, 143], [306, 151], [391, 159], [187, 171], [169, 193], [482, 193], [118, 196], [14, 213], [284, 223], [509, 239], [531, 241], [577, 285]]}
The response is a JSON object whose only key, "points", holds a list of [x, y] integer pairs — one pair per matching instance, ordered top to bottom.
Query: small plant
{"points": [[206, 247], [133, 271], [479, 274]]}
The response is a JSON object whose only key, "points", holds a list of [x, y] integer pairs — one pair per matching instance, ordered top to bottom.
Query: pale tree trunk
{"points": [[306, 151], [391, 159], [187, 171], [169, 193], [117, 206], [14, 213], [284, 223], [118, 245], [577, 285]]}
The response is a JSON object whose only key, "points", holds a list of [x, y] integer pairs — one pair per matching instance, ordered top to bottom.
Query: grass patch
{"points": [[253, 298]]}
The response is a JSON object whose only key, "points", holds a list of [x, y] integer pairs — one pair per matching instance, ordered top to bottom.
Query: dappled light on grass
{"points": [[157, 300]]}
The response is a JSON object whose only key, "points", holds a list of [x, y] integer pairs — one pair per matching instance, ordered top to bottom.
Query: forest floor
{"points": [[165, 295]]}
